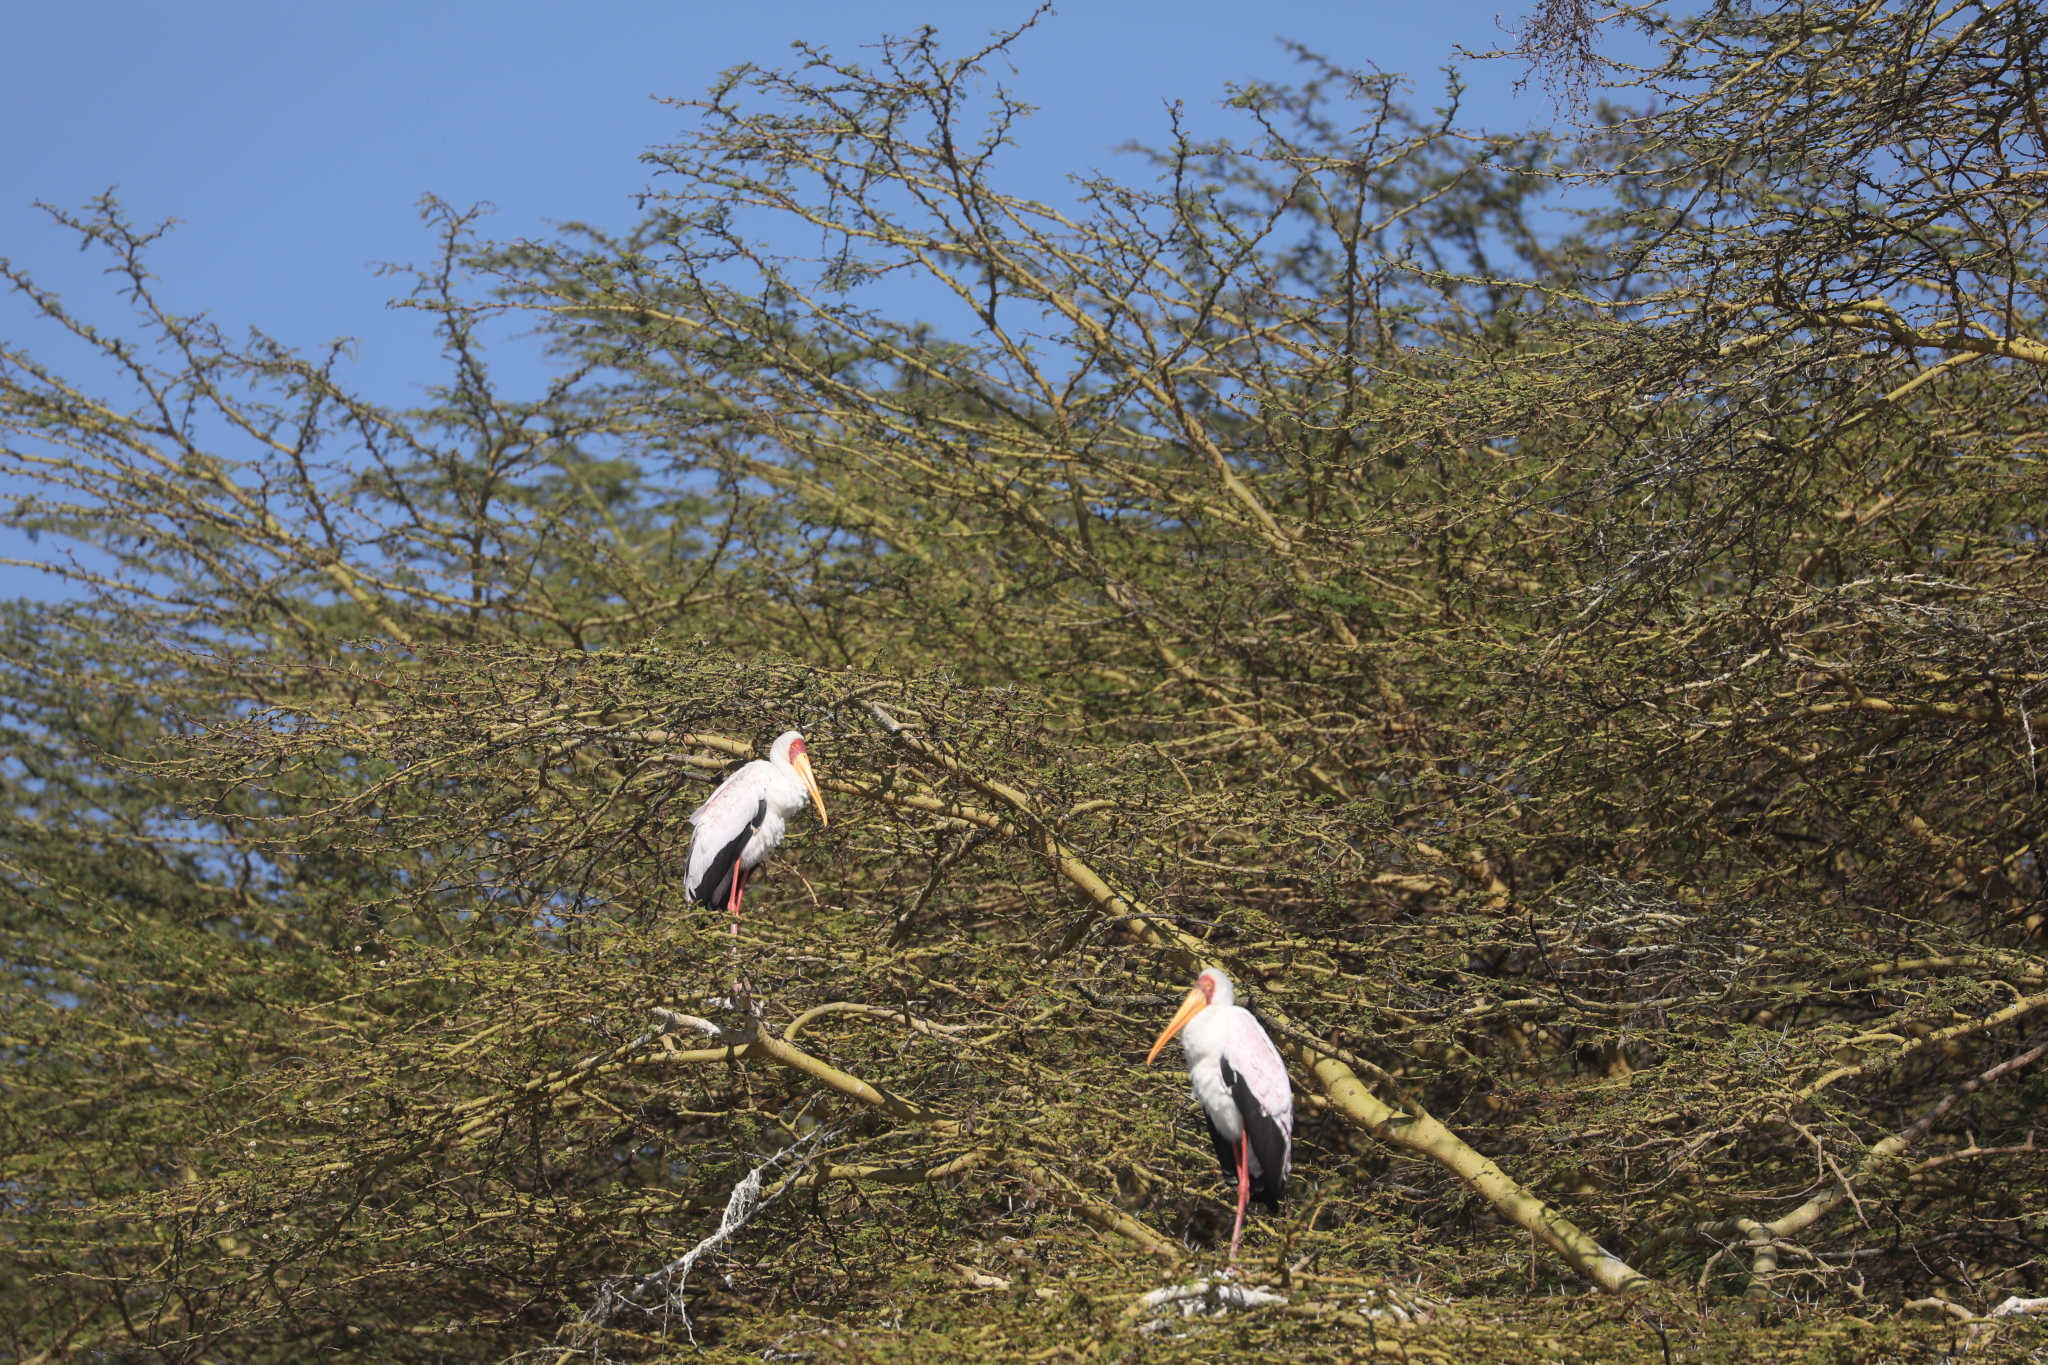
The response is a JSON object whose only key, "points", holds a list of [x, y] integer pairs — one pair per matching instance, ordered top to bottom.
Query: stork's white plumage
{"points": [[745, 818], [1241, 1084]]}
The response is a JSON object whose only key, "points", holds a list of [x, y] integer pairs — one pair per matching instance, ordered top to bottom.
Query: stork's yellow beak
{"points": [[802, 763], [1189, 1008]]}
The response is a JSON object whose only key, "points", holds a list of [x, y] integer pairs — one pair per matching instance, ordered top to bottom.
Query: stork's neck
{"points": [[1204, 1036]]}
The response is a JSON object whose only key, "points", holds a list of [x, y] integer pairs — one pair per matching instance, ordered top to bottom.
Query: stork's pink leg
{"points": [[732, 901], [1244, 1191]]}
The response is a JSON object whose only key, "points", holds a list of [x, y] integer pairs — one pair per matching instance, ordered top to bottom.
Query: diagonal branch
{"points": [[1414, 1130]]}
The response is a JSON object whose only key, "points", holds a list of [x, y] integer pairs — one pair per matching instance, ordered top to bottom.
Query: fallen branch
{"points": [[743, 1207]]}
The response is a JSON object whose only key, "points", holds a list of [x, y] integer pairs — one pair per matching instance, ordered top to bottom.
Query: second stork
{"points": [[1241, 1084]]}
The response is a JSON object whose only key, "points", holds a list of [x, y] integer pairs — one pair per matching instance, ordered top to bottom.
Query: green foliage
{"points": [[1582, 686]]}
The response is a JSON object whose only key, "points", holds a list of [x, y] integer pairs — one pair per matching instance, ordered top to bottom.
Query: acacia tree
{"points": [[1580, 686]]}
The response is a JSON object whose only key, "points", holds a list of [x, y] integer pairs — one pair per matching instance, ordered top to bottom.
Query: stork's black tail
{"points": [[1269, 1143]]}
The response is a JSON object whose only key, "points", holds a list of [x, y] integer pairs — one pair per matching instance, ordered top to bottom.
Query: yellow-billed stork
{"points": [[745, 818], [1241, 1084]]}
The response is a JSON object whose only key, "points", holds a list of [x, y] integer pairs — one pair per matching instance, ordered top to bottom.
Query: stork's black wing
{"points": [[715, 890], [1269, 1142]]}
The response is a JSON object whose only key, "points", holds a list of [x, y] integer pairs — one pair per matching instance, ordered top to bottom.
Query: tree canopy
{"points": [[1557, 617]]}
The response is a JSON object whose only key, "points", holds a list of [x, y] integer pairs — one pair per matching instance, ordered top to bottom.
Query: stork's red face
{"points": [[1197, 1000]]}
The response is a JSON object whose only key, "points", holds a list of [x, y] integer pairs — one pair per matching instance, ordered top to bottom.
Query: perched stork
{"points": [[745, 818], [1241, 1084]]}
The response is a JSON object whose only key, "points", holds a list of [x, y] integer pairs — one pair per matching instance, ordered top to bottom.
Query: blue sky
{"points": [[295, 140]]}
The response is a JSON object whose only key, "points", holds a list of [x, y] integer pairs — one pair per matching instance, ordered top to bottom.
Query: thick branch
{"points": [[1416, 1131]]}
